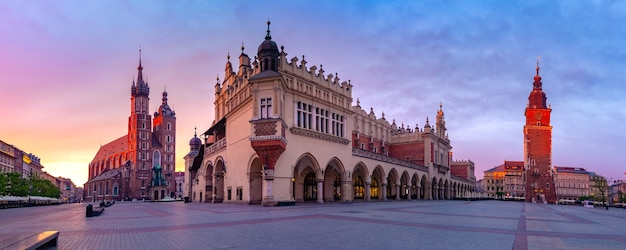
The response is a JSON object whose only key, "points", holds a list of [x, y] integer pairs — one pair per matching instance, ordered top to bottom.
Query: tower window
{"points": [[266, 107], [169, 126]]}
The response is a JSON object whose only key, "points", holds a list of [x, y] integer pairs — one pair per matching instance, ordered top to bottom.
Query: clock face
{"points": [[538, 115]]}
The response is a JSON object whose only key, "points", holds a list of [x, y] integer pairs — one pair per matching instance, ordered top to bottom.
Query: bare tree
{"points": [[600, 184]]}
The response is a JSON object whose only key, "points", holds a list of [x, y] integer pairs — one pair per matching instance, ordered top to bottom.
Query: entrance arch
{"points": [[220, 173], [306, 176], [256, 181], [359, 183], [208, 184], [414, 185], [392, 186], [405, 186], [376, 188], [435, 189], [333, 190]]}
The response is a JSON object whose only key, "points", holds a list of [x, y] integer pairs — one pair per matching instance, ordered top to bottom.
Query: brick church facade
{"points": [[140, 164]]}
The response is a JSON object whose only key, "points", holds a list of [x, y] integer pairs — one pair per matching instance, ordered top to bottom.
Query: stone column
{"points": [[398, 188], [320, 191], [347, 191], [367, 191], [384, 192], [419, 193], [268, 198]]}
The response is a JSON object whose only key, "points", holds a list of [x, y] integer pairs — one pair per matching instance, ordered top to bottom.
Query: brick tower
{"points": [[165, 133], [139, 135], [538, 147]]}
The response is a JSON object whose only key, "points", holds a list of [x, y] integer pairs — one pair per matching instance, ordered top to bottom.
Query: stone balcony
{"points": [[268, 130]]}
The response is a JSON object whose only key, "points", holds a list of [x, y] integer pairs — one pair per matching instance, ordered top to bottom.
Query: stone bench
{"points": [[43, 240]]}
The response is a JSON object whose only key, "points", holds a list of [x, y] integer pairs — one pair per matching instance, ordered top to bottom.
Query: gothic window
{"points": [[266, 107], [143, 125], [169, 126], [156, 159], [310, 187], [359, 189], [374, 189], [115, 190]]}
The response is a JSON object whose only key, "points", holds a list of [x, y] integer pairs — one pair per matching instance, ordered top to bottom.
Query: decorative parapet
{"points": [[330, 81], [317, 135], [217, 146], [384, 158]]}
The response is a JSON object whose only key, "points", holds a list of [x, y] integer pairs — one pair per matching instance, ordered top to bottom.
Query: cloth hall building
{"points": [[286, 132]]}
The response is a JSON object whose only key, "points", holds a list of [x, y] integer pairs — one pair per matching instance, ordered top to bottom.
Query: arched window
{"points": [[156, 159], [310, 187], [374, 188], [359, 190]]}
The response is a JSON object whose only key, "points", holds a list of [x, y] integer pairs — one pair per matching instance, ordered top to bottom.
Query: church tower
{"points": [[139, 134], [538, 147], [164, 155]]}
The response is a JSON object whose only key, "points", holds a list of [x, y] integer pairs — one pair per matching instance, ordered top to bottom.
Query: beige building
{"points": [[287, 132], [505, 181], [571, 183]]}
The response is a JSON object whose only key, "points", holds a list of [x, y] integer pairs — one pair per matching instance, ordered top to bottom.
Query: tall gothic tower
{"points": [[139, 133], [165, 133], [538, 147]]}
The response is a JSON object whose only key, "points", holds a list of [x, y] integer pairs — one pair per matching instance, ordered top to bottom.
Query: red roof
{"points": [[117, 146]]}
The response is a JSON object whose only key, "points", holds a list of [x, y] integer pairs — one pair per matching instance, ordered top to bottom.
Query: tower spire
{"points": [[268, 36], [538, 57], [140, 69]]}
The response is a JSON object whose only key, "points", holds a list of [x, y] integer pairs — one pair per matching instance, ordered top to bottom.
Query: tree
{"points": [[15, 185], [601, 186]]}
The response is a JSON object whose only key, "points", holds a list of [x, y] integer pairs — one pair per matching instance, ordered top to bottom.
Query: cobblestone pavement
{"points": [[372, 225]]}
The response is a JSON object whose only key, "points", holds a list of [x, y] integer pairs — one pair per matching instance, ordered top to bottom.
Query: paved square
{"points": [[373, 225]]}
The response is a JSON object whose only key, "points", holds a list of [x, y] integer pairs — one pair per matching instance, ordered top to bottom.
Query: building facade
{"points": [[286, 132], [140, 164], [538, 174], [571, 183], [618, 193]]}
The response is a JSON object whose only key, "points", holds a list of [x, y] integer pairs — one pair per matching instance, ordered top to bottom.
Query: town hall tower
{"points": [[538, 147]]}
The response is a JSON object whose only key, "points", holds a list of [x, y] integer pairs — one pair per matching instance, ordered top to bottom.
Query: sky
{"points": [[66, 68]]}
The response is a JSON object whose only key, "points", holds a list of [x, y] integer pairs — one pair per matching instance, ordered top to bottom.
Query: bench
{"points": [[286, 203], [91, 211], [43, 240]]}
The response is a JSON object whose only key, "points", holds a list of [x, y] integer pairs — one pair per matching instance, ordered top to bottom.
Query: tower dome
{"points": [[268, 52], [195, 142]]}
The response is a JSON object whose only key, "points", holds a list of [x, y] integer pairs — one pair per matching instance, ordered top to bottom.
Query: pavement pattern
{"points": [[359, 225]]}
